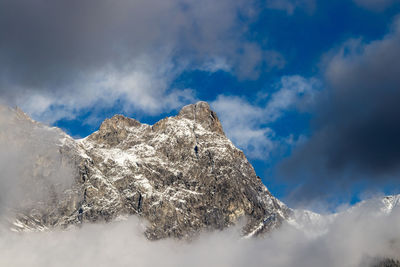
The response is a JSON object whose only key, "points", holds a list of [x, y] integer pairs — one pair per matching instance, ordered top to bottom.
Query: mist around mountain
{"points": [[34, 171], [354, 239]]}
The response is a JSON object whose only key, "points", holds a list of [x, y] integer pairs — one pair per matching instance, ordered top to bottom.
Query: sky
{"points": [[308, 89]]}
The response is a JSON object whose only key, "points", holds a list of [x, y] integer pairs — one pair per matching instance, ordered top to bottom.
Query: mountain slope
{"points": [[182, 175]]}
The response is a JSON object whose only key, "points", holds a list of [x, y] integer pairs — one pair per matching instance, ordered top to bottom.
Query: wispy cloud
{"points": [[247, 124]]}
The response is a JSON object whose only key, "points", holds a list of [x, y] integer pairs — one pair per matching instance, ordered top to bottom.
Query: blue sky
{"points": [[300, 85]]}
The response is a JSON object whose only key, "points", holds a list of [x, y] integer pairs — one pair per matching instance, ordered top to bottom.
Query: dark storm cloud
{"points": [[38, 36], [52, 50], [357, 135]]}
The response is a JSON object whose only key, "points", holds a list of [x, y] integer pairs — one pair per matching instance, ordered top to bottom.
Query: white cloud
{"points": [[129, 51], [143, 86], [294, 91], [242, 123], [246, 123], [32, 168], [352, 240]]}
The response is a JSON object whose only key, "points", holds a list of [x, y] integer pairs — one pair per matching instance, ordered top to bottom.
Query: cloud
{"points": [[375, 5], [60, 57], [142, 87], [242, 123], [247, 124], [357, 126], [32, 168], [353, 239]]}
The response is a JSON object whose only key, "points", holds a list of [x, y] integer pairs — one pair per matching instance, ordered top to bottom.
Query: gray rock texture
{"points": [[182, 175]]}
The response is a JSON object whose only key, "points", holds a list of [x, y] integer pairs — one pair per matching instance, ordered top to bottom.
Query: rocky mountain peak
{"points": [[201, 113], [119, 121], [115, 130], [182, 174]]}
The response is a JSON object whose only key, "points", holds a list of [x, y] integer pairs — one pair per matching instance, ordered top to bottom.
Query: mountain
{"points": [[182, 175]]}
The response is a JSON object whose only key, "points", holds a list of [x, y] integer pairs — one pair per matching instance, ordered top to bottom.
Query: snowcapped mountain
{"points": [[182, 175]]}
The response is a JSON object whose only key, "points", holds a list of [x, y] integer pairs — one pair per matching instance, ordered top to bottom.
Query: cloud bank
{"points": [[61, 57], [356, 134], [32, 169], [353, 239]]}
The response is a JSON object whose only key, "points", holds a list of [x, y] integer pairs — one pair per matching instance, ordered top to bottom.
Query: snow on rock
{"points": [[181, 174]]}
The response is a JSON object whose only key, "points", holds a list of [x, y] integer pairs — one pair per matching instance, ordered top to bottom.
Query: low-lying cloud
{"points": [[32, 168], [352, 240]]}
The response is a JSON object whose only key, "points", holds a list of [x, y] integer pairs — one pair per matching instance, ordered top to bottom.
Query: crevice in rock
{"points": [[196, 147], [139, 206], [80, 214]]}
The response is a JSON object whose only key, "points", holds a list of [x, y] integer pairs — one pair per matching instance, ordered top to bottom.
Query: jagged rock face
{"points": [[181, 174]]}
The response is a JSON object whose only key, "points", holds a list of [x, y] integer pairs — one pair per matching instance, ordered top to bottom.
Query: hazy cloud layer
{"points": [[64, 56], [358, 122], [247, 124], [32, 168], [352, 240]]}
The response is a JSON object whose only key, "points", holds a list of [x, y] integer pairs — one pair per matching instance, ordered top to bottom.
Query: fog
{"points": [[32, 167], [354, 239]]}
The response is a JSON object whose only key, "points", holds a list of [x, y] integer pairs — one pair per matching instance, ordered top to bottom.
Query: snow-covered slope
{"points": [[181, 175]]}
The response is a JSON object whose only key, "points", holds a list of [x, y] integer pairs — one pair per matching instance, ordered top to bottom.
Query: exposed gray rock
{"points": [[181, 174]]}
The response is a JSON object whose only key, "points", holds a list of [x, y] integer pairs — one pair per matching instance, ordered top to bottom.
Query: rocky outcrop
{"points": [[182, 175]]}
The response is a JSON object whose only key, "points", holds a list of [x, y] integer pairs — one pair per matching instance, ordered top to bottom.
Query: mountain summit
{"points": [[182, 175]]}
